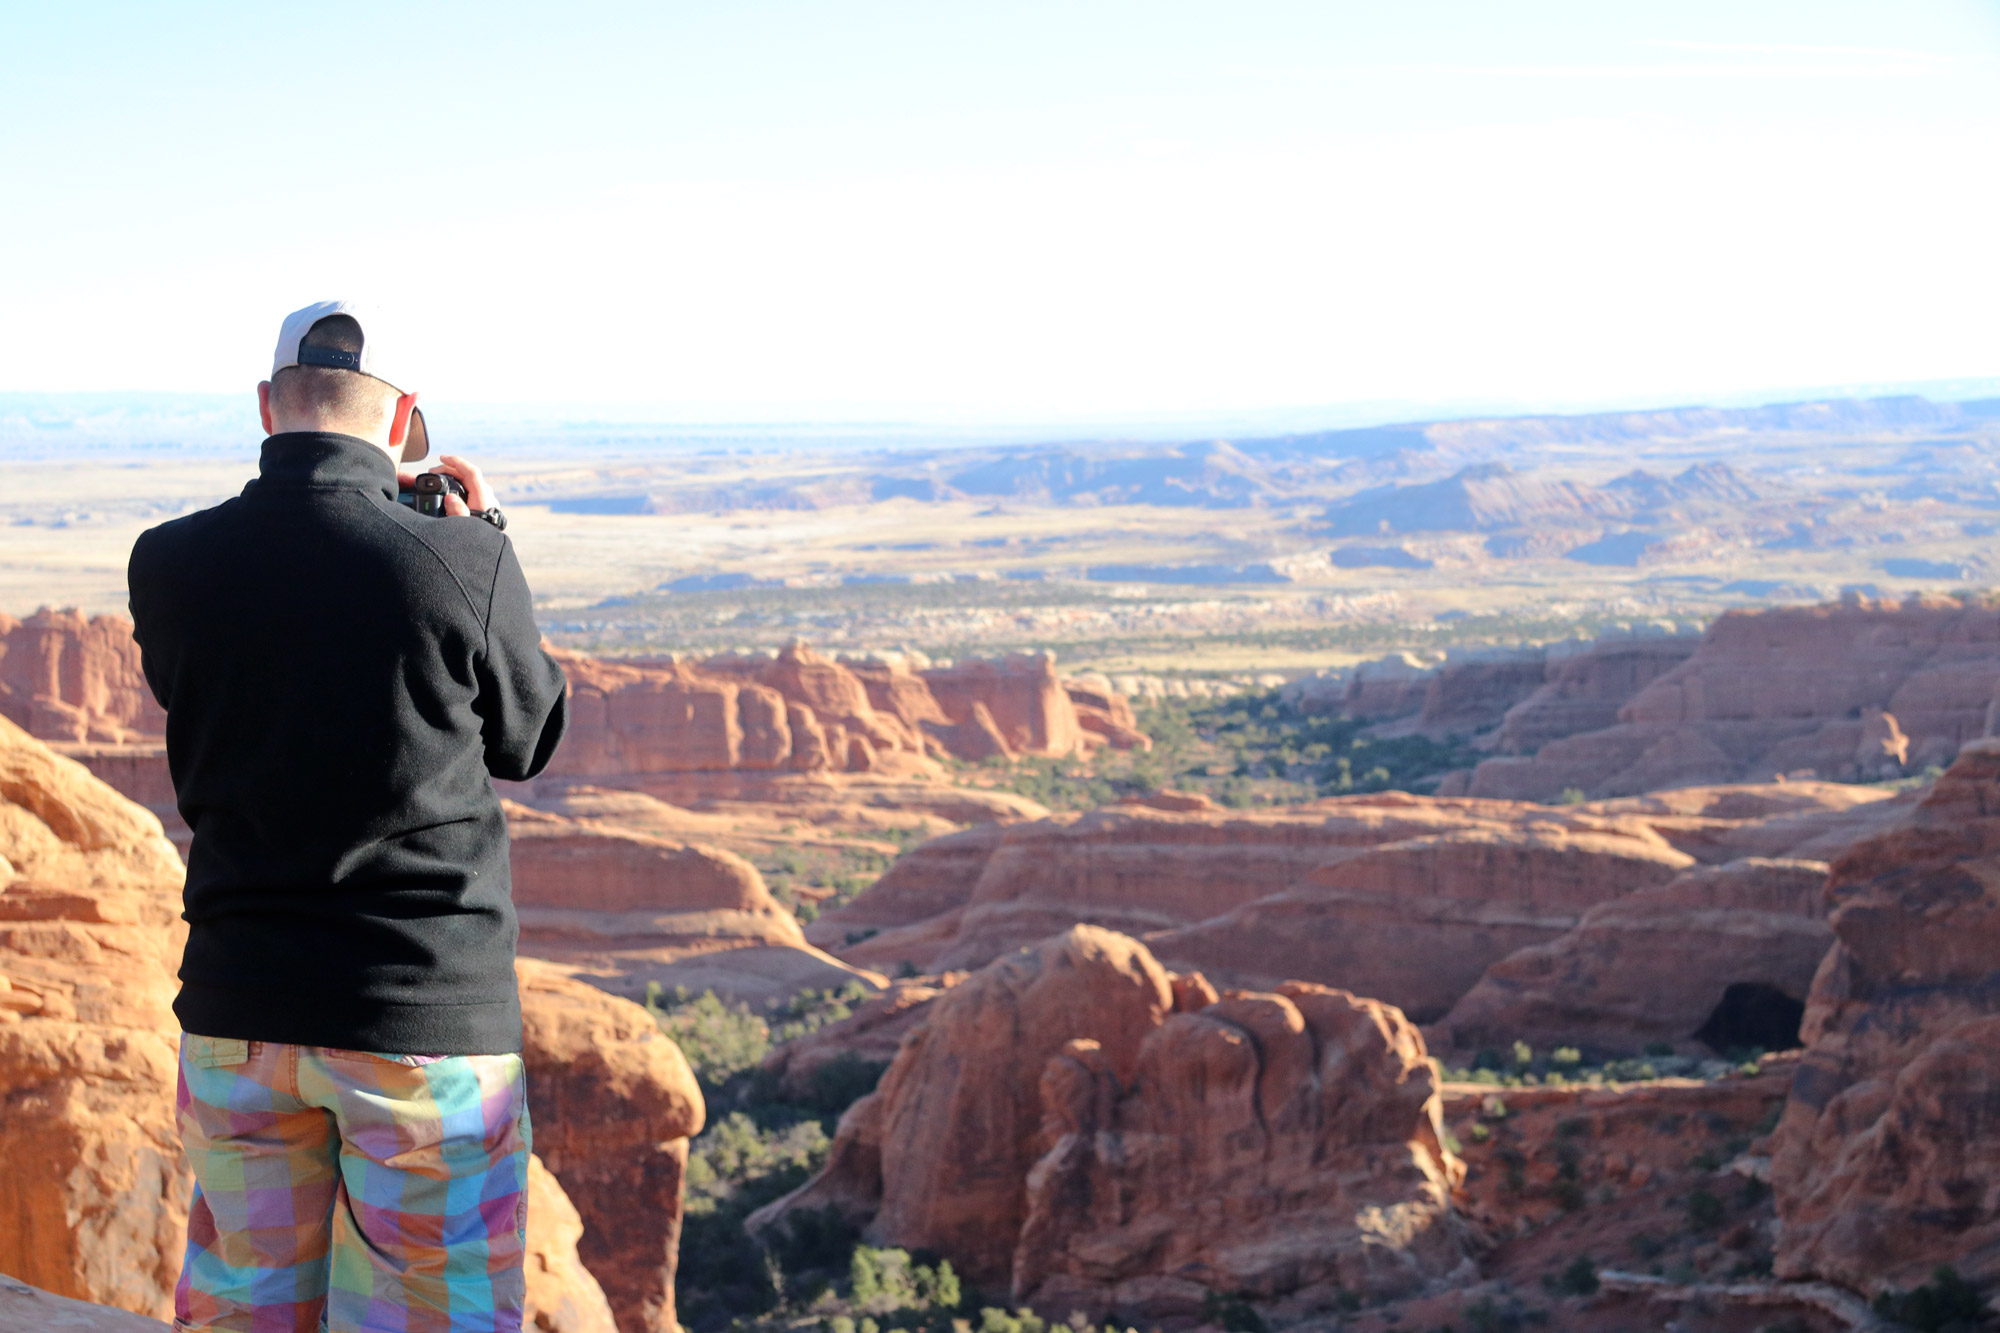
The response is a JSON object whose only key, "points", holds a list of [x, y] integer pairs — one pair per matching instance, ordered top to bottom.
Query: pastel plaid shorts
{"points": [[352, 1192]]}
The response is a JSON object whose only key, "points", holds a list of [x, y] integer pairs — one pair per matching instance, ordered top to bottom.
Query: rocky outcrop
{"points": [[67, 678], [1585, 686], [1855, 690], [1021, 694], [1102, 711], [797, 712], [1408, 899], [634, 910], [1417, 921], [1719, 957], [613, 1103], [1051, 1120], [1282, 1147], [938, 1156], [1883, 1164], [94, 1203], [562, 1296], [27, 1308]]}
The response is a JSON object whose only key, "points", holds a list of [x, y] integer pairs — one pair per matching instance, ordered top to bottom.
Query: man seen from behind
{"points": [[343, 676]]}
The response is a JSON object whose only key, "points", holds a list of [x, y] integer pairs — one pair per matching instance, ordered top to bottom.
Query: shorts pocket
{"points": [[214, 1052]]}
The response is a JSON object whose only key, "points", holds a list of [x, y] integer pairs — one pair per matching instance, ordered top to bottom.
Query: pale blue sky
{"points": [[1016, 211]]}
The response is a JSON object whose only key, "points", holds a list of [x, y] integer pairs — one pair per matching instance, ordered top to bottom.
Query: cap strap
{"points": [[331, 357]]}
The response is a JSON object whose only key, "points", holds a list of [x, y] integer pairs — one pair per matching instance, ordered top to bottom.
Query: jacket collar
{"points": [[324, 458]]}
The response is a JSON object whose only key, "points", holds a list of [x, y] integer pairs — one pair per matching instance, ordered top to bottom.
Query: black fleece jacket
{"points": [[341, 675]]}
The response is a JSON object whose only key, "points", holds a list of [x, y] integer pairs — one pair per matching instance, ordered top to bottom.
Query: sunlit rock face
{"points": [[1884, 1163]]}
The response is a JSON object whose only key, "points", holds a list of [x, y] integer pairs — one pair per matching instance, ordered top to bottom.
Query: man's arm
{"points": [[137, 585], [521, 689]]}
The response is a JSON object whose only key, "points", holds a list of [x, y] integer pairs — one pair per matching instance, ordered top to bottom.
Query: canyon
{"points": [[1147, 1057]]}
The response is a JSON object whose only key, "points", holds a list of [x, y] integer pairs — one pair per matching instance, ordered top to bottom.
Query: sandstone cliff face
{"points": [[67, 678], [1856, 689], [798, 712], [1417, 921], [1659, 964], [613, 1103], [1052, 1120], [1282, 1146], [938, 1156], [1883, 1164], [93, 1203], [562, 1296]]}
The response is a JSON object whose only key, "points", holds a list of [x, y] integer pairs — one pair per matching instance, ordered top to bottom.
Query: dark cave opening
{"points": [[1752, 1016]]}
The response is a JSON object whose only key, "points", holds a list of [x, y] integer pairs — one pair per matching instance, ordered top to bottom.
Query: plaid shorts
{"points": [[352, 1192]]}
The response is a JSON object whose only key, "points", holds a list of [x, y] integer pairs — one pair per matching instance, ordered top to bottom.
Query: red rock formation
{"points": [[65, 678], [1585, 688], [1784, 690], [1021, 693], [1104, 712], [633, 909], [1419, 920], [1655, 965], [613, 1103], [1054, 1123], [1282, 1147], [938, 1156], [1882, 1165], [93, 1203], [562, 1296]]}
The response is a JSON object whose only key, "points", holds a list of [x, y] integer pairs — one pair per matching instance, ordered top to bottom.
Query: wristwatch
{"points": [[493, 516]]}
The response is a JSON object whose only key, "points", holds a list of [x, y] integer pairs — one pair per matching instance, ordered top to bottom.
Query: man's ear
{"points": [[264, 406], [399, 427]]}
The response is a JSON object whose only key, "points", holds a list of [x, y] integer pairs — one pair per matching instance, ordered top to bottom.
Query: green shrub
{"points": [[719, 1039], [1705, 1211], [1579, 1279], [888, 1282], [1945, 1304], [1233, 1312]]}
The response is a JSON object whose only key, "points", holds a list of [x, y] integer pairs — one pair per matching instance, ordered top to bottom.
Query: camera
{"points": [[426, 495]]}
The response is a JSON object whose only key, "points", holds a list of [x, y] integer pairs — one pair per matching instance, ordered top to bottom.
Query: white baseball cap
{"points": [[378, 358]]}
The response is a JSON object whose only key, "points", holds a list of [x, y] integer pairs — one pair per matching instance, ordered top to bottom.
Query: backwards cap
{"points": [[377, 358]]}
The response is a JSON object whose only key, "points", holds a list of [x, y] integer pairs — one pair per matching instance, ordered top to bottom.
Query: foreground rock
{"points": [[1867, 689], [634, 910], [614, 1104], [1047, 1124], [1883, 1166], [93, 1201], [562, 1296], [24, 1307]]}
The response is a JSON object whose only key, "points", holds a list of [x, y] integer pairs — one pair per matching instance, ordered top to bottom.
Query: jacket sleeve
{"points": [[137, 587], [521, 689]]}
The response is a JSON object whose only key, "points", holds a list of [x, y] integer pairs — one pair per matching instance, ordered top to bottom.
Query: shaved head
{"points": [[322, 398]]}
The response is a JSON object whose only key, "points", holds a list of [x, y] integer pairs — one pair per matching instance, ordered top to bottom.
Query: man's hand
{"points": [[477, 494]]}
